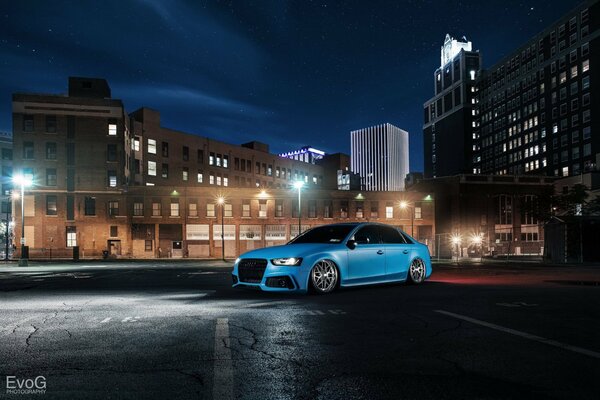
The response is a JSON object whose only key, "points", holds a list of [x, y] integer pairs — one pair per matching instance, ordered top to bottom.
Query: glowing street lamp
{"points": [[23, 181], [298, 185], [221, 202], [404, 205], [456, 240]]}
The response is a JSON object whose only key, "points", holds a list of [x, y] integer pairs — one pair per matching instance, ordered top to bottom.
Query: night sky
{"points": [[288, 73]]}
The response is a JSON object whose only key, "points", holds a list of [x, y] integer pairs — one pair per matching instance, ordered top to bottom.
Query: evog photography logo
{"points": [[15, 385]]}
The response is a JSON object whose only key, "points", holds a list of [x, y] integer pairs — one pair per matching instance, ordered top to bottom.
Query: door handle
{"points": [[405, 251], [380, 252]]}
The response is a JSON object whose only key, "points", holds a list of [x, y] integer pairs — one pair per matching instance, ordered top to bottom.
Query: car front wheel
{"points": [[416, 271], [324, 277]]}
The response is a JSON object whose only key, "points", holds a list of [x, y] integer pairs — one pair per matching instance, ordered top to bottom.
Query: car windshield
{"points": [[324, 234]]}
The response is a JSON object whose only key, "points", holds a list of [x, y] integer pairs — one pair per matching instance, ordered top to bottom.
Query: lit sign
{"points": [[452, 47]]}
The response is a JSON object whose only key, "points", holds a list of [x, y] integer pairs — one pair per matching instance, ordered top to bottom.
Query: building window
{"points": [[585, 66], [51, 123], [28, 125], [112, 129], [587, 132], [136, 144], [152, 146], [165, 149], [28, 151], [50, 151], [111, 152], [186, 153], [200, 156], [211, 159], [218, 160], [225, 161], [152, 168], [165, 171], [185, 173], [50, 176], [200, 177], [112, 178], [211, 179], [218, 180], [225, 181], [90, 206], [503, 206], [51, 208], [113, 208], [246, 208], [278, 208], [138, 209], [156, 209], [174, 209], [192, 209], [262, 209], [312, 209], [328, 209], [344, 209], [210, 210], [228, 210], [360, 210], [374, 210], [389, 211], [418, 213], [114, 231], [71, 236], [148, 245]]}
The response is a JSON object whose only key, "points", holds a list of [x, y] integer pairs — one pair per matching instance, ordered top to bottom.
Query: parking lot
{"points": [[179, 329]]}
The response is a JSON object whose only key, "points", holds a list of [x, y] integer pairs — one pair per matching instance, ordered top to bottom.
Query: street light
{"points": [[23, 181], [298, 185], [221, 202], [404, 205], [456, 240]]}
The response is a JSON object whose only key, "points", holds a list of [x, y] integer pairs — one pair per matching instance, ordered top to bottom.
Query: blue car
{"points": [[329, 256]]}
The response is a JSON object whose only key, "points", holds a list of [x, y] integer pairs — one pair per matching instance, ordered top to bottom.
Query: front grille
{"points": [[251, 270]]}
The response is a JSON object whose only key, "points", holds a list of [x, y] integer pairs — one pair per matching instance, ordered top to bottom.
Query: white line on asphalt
{"points": [[267, 303], [130, 319], [105, 320], [525, 335], [223, 371]]}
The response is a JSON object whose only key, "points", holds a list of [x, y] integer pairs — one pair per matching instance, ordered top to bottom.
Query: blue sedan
{"points": [[329, 256]]}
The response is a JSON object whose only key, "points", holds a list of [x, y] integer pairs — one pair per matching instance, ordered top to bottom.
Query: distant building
{"points": [[533, 112], [6, 148], [448, 150], [306, 154], [379, 154], [346, 179]]}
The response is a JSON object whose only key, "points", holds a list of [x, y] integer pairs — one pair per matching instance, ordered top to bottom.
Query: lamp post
{"points": [[23, 181], [298, 185], [221, 202], [405, 205], [456, 240]]}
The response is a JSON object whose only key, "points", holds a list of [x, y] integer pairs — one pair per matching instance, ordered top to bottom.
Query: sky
{"points": [[287, 73]]}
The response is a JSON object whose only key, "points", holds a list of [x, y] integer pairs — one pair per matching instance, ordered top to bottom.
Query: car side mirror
{"points": [[351, 244]]}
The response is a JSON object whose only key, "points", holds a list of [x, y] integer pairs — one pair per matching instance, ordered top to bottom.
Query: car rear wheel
{"points": [[416, 271], [324, 277]]}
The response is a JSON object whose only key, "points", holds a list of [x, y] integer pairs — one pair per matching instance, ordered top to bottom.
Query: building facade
{"points": [[452, 111], [533, 112], [307, 154], [379, 154], [108, 182]]}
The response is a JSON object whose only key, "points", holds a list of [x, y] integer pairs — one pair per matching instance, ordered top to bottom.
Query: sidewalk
{"points": [[69, 266]]}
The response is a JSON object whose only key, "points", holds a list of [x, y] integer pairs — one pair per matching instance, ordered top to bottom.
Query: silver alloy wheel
{"points": [[416, 271], [324, 276]]}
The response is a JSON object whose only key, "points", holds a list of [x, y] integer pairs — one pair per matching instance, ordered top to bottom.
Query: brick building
{"points": [[108, 181]]}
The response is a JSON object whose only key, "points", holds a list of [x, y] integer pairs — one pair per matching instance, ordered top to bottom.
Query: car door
{"points": [[397, 253], [366, 261]]}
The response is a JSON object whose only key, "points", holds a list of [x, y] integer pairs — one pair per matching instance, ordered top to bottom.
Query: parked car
{"points": [[329, 256]]}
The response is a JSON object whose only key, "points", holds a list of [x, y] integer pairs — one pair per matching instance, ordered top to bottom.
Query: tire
{"points": [[416, 272], [324, 277]]}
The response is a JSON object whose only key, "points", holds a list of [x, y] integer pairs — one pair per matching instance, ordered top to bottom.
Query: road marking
{"points": [[266, 303], [516, 304], [337, 312], [130, 319], [105, 320], [525, 335], [223, 371]]}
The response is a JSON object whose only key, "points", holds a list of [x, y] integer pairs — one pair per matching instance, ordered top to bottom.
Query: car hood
{"points": [[289, 250]]}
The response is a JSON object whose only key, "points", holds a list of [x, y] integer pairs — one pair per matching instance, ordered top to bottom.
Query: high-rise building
{"points": [[533, 111], [451, 112], [307, 154], [379, 154]]}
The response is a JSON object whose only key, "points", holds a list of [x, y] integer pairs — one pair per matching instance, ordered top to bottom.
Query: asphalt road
{"points": [[179, 330]]}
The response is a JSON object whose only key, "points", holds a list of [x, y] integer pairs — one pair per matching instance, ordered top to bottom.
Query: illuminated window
{"points": [[585, 66], [112, 129], [136, 144], [152, 146], [152, 168], [185, 173], [200, 177], [112, 178], [246, 208], [138, 209], [156, 209], [174, 209], [262, 209], [193, 210], [210, 210], [228, 210], [71, 236]]}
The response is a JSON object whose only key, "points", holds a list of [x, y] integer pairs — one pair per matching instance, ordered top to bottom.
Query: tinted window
{"points": [[369, 233], [325, 234], [391, 235], [405, 236]]}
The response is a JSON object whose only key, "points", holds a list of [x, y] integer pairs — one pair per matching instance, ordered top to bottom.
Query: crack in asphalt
{"points": [[35, 329], [254, 344]]}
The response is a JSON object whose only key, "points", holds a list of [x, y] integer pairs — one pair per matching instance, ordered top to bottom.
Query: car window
{"points": [[369, 233], [324, 234], [391, 235], [405, 236]]}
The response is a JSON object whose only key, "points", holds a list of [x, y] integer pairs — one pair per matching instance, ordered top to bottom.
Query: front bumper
{"points": [[275, 278]]}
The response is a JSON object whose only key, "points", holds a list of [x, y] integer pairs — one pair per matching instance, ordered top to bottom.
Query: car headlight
{"points": [[289, 261]]}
